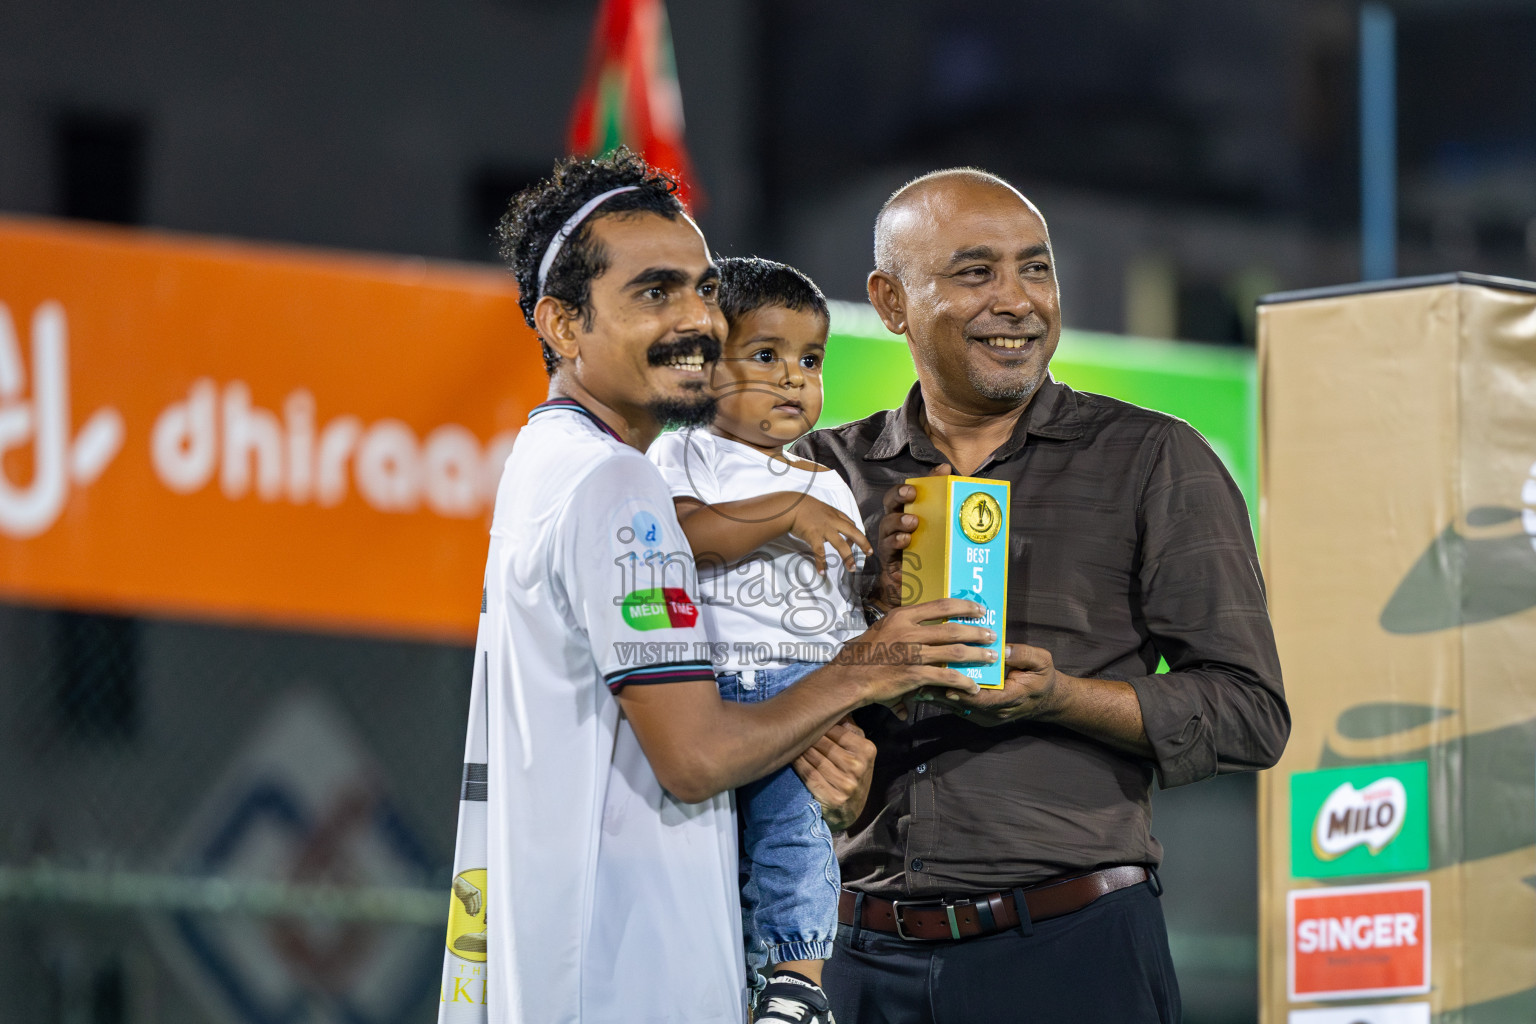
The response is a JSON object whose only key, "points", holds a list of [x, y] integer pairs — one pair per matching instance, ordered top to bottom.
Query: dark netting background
{"points": [[190, 811], [207, 823]]}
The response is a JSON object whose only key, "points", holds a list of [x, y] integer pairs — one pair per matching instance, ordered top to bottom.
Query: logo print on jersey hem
{"points": [[659, 608]]}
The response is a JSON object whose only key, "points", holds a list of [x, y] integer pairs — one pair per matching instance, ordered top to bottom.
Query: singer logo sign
{"points": [[239, 432], [1357, 941]]}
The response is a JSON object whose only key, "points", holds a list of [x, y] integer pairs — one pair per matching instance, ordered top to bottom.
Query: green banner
{"points": [[1212, 387], [1367, 820]]}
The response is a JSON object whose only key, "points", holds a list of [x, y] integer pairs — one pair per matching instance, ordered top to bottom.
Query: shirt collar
{"points": [[571, 405], [1052, 413]]}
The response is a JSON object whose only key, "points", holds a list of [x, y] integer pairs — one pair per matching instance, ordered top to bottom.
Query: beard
{"points": [[1016, 385], [1014, 390], [697, 410]]}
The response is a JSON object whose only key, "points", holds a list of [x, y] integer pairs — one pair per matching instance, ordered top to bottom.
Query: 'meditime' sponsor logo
{"points": [[659, 608]]}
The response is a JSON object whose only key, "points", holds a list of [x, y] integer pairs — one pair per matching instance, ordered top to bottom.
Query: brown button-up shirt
{"points": [[1128, 541]]}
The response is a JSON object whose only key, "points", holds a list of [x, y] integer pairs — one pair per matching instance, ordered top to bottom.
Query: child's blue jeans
{"points": [[789, 899]]}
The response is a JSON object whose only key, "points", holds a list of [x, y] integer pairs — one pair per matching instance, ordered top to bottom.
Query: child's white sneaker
{"points": [[788, 999]]}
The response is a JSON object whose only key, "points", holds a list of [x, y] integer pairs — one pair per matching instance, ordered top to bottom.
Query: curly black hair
{"points": [[538, 211], [751, 282]]}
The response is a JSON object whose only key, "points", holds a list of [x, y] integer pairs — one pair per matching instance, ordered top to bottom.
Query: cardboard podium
{"points": [[1397, 851]]}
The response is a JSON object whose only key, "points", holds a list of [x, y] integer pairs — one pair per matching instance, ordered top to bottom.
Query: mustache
{"points": [[1031, 324], [665, 351]]}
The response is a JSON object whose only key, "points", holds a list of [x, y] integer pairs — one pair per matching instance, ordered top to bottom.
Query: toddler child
{"points": [[773, 539]]}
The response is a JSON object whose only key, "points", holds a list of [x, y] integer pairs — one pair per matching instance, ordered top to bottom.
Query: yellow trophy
{"points": [[960, 549]]}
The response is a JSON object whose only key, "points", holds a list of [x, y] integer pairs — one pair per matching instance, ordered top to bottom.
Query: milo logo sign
{"points": [[1370, 817], [1364, 820]]}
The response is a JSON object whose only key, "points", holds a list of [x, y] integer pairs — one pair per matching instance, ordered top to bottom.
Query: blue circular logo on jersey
{"points": [[647, 528]]}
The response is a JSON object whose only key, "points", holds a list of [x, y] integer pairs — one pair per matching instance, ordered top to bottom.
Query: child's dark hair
{"points": [[538, 211], [749, 283]]}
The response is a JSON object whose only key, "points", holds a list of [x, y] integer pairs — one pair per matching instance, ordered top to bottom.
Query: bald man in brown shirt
{"points": [[1004, 867]]}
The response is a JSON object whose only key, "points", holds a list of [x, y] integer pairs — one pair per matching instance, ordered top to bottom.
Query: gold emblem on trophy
{"points": [[980, 517]]}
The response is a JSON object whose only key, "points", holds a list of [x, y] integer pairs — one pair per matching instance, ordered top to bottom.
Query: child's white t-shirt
{"points": [[771, 607]]}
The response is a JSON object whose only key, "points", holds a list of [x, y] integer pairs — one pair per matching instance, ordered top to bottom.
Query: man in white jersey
{"points": [[610, 889]]}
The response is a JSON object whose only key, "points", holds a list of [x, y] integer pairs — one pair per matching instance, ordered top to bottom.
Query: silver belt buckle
{"points": [[949, 911]]}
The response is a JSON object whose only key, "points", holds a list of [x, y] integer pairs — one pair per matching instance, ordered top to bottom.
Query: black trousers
{"points": [[1108, 963]]}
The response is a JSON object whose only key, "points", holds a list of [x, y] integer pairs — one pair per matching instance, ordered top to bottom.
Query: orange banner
{"points": [[252, 434]]}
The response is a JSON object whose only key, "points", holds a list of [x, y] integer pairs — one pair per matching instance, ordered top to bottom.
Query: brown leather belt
{"points": [[931, 920]]}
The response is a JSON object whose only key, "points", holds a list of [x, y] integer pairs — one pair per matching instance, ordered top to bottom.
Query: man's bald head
{"points": [[905, 208], [964, 269]]}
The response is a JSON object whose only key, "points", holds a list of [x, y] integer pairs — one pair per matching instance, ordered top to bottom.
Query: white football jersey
{"points": [[608, 900]]}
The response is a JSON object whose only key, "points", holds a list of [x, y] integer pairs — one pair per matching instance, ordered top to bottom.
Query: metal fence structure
{"points": [[214, 823]]}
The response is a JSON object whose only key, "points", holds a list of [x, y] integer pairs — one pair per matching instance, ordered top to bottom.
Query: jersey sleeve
{"points": [[686, 467], [628, 573]]}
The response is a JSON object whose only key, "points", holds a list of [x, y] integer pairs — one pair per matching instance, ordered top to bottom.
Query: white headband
{"points": [[570, 225]]}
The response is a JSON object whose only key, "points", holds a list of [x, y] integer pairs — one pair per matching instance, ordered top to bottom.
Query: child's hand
{"points": [[819, 524], [838, 769]]}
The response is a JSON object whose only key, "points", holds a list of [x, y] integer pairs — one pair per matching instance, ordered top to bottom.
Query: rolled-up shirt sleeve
{"points": [[1221, 706]]}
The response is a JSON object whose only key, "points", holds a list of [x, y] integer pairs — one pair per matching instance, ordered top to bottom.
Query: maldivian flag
{"points": [[630, 94]]}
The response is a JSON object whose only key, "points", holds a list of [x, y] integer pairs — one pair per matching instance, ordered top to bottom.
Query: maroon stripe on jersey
{"points": [[668, 672]]}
